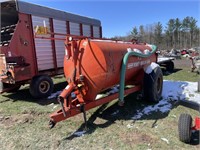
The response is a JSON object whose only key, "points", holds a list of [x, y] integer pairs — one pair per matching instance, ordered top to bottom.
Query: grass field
{"points": [[24, 123]]}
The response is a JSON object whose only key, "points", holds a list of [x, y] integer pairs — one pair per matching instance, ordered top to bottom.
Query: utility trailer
{"points": [[32, 44], [166, 62]]}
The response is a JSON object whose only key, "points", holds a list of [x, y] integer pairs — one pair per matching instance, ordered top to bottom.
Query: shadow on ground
{"points": [[166, 73], [24, 95], [115, 112], [110, 113], [195, 140]]}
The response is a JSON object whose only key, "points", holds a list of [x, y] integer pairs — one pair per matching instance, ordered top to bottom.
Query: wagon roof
{"points": [[43, 11]]}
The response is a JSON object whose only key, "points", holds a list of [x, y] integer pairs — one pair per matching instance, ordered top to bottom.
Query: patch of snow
{"points": [[149, 45], [129, 50], [137, 50], [146, 52], [151, 67], [113, 90], [172, 91], [54, 95], [99, 96], [163, 106], [54, 107], [115, 113], [129, 126], [79, 133], [165, 140]]}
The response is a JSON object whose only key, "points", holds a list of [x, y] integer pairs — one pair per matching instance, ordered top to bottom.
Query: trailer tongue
{"points": [[93, 66]]}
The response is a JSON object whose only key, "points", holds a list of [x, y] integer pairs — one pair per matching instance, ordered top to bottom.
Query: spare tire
{"points": [[152, 85], [185, 128]]}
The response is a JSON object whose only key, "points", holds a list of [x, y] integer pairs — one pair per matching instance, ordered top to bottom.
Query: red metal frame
{"points": [[53, 45], [74, 110], [197, 124]]}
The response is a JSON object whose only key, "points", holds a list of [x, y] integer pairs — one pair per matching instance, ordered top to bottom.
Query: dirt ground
{"points": [[24, 123]]}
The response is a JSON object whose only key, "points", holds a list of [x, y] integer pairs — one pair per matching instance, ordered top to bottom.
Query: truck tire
{"points": [[170, 66], [152, 85], [41, 86], [184, 128]]}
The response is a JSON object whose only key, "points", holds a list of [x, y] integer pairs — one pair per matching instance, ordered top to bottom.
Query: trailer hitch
{"points": [[51, 124]]}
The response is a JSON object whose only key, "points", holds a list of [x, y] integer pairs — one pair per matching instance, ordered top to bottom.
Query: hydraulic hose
{"points": [[123, 69]]}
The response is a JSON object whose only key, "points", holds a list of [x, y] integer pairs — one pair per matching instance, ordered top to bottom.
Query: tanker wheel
{"points": [[152, 85], [41, 86], [185, 128]]}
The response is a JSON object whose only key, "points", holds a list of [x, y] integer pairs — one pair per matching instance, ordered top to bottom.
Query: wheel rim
{"points": [[159, 85], [44, 87]]}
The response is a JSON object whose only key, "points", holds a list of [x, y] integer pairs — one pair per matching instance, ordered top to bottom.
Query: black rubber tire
{"points": [[170, 66], [152, 85], [41, 86], [185, 128]]}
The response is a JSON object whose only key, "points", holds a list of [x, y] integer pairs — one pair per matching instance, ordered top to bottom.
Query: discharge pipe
{"points": [[123, 69]]}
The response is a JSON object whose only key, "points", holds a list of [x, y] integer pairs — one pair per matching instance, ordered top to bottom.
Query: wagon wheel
{"points": [[152, 85], [41, 86], [185, 128]]}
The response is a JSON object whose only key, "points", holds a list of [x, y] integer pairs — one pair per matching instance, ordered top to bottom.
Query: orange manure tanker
{"points": [[94, 66]]}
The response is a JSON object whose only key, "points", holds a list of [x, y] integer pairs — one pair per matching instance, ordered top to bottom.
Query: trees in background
{"points": [[178, 34]]}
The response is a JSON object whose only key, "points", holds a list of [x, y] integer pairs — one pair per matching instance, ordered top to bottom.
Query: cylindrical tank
{"points": [[99, 61]]}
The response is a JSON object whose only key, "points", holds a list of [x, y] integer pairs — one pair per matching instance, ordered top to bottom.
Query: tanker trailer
{"points": [[92, 66]]}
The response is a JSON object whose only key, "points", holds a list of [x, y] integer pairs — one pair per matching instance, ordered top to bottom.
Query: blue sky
{"points": [[118, 17]]}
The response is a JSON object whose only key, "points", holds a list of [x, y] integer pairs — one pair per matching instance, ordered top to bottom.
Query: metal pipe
{"points": [[123, 70]]}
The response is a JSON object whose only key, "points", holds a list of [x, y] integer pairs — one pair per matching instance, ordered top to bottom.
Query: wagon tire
{"points": [[152, 85], [41, 86], [185, 128]]}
